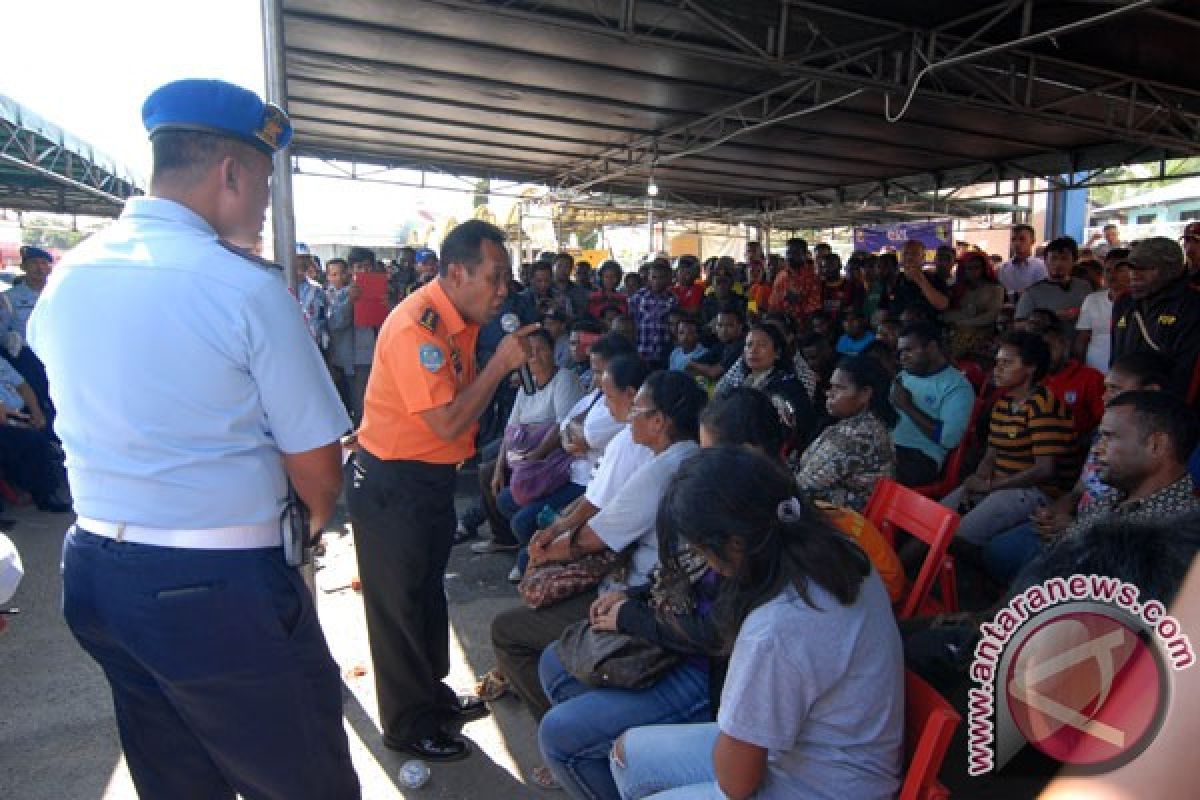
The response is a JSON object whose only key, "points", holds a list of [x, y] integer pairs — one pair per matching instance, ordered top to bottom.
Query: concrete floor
{"points": [[57, 735], [58, 739]]}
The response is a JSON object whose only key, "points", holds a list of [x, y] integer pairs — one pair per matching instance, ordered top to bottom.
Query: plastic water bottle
{"points": [[546, 517], [414, 774]]}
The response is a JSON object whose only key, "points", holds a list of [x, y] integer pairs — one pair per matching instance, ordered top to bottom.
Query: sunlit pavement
{"points": [[57, 735]]}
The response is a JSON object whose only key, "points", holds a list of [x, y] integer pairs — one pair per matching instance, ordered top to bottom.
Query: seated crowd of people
{"points": [[31, 459], [706, 609]]}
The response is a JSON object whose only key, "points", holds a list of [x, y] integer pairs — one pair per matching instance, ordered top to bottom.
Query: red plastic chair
{"points": [[973, 372], [952, 469], [11, 495], [894, 507], [947, 599], [929, 723]]}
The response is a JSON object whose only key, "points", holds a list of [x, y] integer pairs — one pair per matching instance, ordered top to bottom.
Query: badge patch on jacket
{"points": [[432, 357]]}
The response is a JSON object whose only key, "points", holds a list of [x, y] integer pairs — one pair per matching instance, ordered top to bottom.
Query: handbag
{"points": [[531, 480], [547, 584], [613, 660]]}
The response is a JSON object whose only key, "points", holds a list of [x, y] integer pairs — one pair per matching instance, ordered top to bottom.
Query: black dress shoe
{"points": [[466, 708], [440, 746]]}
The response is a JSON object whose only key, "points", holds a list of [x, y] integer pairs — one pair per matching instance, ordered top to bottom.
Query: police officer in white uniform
{"points": [[16, 305], [189, 393]]}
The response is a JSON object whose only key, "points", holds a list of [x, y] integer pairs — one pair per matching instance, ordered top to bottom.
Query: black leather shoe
{"points": [[466, 708], [440, 746]]}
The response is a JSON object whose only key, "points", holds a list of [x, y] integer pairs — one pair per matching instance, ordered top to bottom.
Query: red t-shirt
{"points": [[689, 297], [839, 298], [601, 300], [1081, 389]]}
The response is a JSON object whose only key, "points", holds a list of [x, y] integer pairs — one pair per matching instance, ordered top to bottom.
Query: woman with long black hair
{"points": [[813, 702]]}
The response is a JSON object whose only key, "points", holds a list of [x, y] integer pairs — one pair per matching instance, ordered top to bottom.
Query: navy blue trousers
{"points": [[29, 461], [221, 678]]}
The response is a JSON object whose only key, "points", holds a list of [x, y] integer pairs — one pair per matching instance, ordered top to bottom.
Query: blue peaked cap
{"points": [[219, 107], [30, 252]]}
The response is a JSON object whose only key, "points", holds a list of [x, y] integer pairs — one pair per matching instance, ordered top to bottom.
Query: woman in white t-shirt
{"points": [[1093, 330], [584, 433], [813, 702]]}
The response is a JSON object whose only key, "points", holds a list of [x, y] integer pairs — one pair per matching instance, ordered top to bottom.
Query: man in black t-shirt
{"points": [[914, 288], [730, 327]]}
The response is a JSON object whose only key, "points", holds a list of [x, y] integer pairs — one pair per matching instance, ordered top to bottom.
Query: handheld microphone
{"points": [[509, 323]]}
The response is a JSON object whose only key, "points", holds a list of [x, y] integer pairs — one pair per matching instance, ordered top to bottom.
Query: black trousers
{"points": [[495, 416], [28, 460], [914, 468], [404, 521], [501, 530]]}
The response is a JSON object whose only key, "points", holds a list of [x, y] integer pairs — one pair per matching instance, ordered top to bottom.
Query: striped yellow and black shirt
{"points": [[1038, 426]]}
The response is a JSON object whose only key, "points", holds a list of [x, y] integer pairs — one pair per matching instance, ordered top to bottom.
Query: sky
{"points": [[87, 66]]}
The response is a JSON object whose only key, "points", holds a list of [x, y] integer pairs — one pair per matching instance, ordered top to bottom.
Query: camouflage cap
{"points": [[1157, 251]]}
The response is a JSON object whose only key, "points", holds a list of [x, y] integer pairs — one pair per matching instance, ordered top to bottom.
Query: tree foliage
{"points": [[1142, 177]]}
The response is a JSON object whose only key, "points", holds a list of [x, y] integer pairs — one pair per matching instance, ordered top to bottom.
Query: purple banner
{"points": [[930, 234]]}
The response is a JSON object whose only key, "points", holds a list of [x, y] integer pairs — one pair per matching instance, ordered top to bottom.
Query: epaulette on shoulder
{"points": [[257, 261], [429, 320]]}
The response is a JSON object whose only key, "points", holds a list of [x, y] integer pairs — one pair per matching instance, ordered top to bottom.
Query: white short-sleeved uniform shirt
{"points": [[22, 300], [1095, 316], [181, 371], [599, 428], [621, 459], [628, 520]]}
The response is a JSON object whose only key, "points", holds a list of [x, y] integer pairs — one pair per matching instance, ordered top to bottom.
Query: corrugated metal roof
{"points": [[711, 99], [44, 168]]}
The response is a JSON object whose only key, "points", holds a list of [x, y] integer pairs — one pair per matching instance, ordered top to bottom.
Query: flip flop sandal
{"points": [[492, 686], [543, 778]]}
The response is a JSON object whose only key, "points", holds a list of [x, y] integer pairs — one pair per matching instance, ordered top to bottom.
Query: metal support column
{"points": [[283, 220], [650, 228], [520, 236]]}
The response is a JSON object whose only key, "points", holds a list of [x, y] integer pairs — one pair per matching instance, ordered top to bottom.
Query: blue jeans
{"points": [[996, 512], [523, 519], [1006, 554], [220, 675], [578, 732], [668, 762]]}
